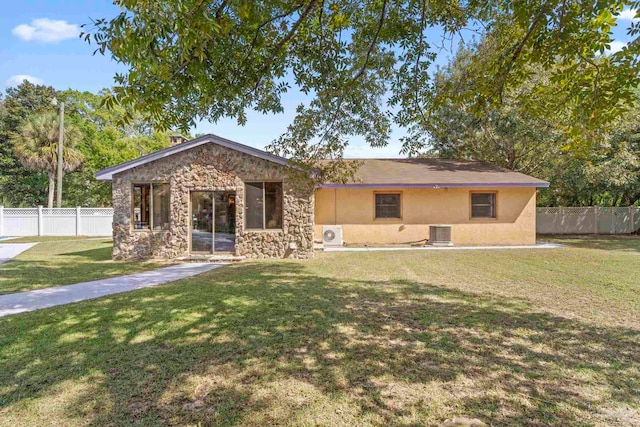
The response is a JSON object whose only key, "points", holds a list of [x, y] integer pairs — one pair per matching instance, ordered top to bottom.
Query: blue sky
{"points": [[38, 40]]}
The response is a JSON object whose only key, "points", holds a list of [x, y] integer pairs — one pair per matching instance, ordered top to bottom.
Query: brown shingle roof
{"points": [[438, 172]]}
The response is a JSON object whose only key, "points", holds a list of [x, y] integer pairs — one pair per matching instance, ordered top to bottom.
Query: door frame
{"points": [[213, 213], [213, 221], [235, 228]]}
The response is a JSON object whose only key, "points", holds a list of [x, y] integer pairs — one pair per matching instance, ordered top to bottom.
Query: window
{"points": [[254, 204], [273, 204], [263, 205], [388, 205], [483, 205], [141, 206], [151, 206], [160, 206]]}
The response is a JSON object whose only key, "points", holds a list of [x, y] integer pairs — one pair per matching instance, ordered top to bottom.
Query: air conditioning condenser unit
{"points": [[332, 235], [440, 235]]}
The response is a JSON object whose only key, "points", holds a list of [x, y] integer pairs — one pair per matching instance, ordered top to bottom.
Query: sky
{"points": [[39, 42]]}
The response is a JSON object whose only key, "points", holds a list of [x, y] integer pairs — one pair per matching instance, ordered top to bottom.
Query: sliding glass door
{"points": [[201, 222], [213, 222], [224, 238]]}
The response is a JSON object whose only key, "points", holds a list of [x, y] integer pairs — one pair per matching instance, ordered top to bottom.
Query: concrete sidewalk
{"points": [[540, 245], [11, 250], [49, 297]]}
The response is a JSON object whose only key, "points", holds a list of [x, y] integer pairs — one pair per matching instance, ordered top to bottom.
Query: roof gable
{"points": [[412, 172], [435, 172], [107, 174]]}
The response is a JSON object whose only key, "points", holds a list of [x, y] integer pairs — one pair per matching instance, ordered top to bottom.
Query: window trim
{"points": [[401, 205], [495, 206], [264, 213], [150, 229]]}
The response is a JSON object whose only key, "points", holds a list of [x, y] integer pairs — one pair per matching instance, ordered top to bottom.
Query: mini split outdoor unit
{"points": [[332, 235], [440, 235]]}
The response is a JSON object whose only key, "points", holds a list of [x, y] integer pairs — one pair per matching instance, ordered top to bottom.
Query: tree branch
{"points": [[267, 22], [373, 42], [278, 47], [518, 51], [192, 56], [417, 63], [359, 74]]}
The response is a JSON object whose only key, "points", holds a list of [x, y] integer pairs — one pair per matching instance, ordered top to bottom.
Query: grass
{"points": [[37, 239], [619, 242], [62, 261], [514, 337]]}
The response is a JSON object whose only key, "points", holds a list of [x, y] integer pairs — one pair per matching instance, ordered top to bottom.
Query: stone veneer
{"points": [[211, 167]]}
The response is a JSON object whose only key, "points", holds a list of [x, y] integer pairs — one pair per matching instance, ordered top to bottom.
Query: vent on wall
{"points": [[332, 235], [440, 235]]}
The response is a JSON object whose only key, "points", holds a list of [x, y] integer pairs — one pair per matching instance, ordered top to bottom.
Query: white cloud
{"points": [[628, 15], [46, 30], [616, 46], [19, 78]]}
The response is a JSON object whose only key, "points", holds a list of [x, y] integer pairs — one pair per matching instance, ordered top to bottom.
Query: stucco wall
{"points": [[211, 167], [354, 209]]}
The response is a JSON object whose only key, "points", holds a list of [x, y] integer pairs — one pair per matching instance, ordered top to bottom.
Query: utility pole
{"points": [[60, 154]]}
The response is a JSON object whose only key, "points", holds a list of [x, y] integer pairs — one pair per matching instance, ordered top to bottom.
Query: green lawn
{"points": [[32, 239], [62, 261], [512, 337]]}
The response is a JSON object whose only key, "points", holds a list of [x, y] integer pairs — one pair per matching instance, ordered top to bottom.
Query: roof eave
{"points": [[107, 174], [541, 184]]}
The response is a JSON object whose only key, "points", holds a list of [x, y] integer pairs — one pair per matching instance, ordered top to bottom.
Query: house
{"points": [[212, 195]]}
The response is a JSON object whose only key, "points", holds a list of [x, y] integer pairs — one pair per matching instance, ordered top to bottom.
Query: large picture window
{"points": [[263, 205], [388, 205], [483, 205], [151, 206]]}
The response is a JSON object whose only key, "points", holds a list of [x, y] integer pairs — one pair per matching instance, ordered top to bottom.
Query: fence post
{"points": [[596, 210], [77, 220], [613, 220], [1, 221], [632, 221], [40, 222], [559, 222]]}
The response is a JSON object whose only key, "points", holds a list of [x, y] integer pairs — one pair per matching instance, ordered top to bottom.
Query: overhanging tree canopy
{"points": [[363, 63]]}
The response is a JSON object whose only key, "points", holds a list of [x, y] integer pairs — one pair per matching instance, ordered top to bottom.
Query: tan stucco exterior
{"points": [[354, 209]]}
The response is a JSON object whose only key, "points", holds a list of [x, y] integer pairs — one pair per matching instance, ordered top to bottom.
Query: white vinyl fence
{"points": [[588, 220], [97, 221], [55, 222]]}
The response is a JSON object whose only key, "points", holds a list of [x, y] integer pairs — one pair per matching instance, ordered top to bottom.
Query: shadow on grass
{"points": [[628, 243], [99, 254], [23, 275], [249, 344]]}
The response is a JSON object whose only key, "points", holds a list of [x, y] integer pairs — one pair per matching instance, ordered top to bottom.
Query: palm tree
{"points": [[36, 146]]}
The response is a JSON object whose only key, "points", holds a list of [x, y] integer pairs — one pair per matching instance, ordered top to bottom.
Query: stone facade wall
{"points": [[211, 167]]}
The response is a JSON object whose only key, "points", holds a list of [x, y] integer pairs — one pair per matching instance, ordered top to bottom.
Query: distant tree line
{"points": [[532, 130], [94, 138], [602, 169]]}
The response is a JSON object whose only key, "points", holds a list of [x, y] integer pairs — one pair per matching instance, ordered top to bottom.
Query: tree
{"points": [[362, 64], [508, 133], [515, 134], [103, 140], [106, 141], [36, 146], [102, 149], [607, 175], [19, 186]]}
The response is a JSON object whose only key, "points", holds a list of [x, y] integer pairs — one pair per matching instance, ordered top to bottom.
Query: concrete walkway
{"points": [[540, 245], [10, 250], [49, 297]]}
